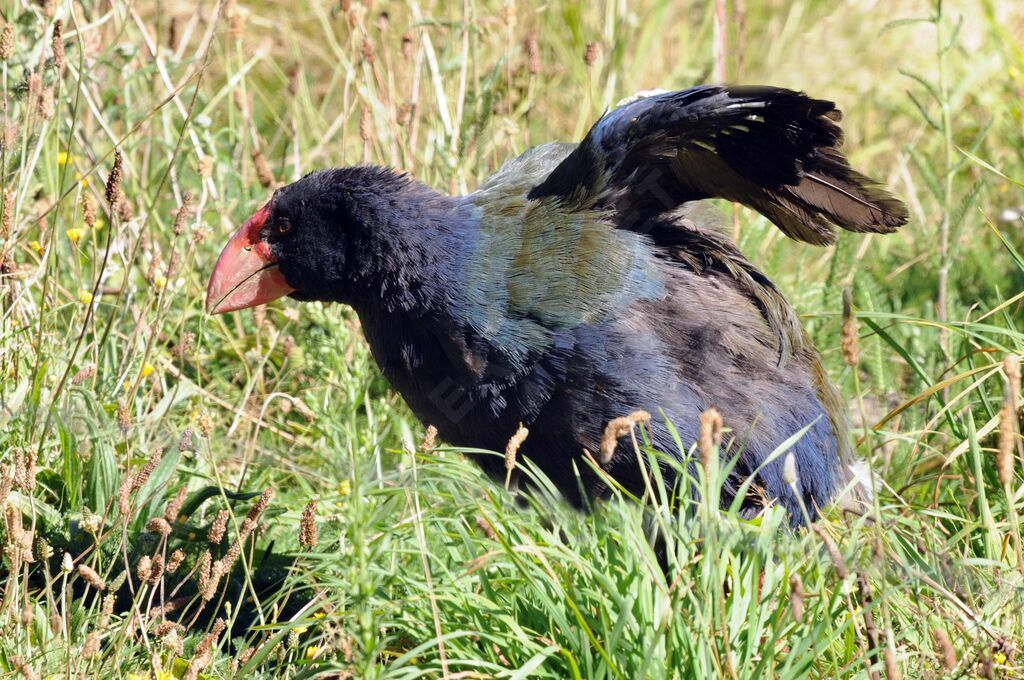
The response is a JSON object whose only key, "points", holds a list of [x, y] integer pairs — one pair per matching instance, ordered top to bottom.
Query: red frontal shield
{"points": [[246, 273]]}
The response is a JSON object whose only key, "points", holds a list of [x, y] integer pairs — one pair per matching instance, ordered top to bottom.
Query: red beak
{"points": [[246, 273]]}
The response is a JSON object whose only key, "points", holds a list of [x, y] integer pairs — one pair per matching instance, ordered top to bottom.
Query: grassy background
{"points": [[120, 398]]}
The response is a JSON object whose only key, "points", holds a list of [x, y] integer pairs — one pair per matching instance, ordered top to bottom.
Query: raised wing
{"points": [[773, 150]]}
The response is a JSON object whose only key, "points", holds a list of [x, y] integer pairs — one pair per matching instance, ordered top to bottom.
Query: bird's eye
{"points": [[283, 226]]}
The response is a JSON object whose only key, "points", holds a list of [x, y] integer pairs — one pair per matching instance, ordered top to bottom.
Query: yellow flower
{"points": [[63, 158], [82, 180], [99, 223], [75, 234], [36, 246], [160, 282], [85, 297], [147, 370], [127, 386], [344, 487], [319, 615], [300, 629], [312, 651], [999, 658]]}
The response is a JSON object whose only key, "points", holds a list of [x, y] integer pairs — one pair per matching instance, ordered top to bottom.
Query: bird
{"points": [[578, 284]]}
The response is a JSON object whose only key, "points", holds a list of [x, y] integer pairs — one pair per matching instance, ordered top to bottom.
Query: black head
{"points": [[308, 241]]}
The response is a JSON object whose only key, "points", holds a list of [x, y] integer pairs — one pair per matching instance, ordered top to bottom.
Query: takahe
{"points": [[574, 287]]}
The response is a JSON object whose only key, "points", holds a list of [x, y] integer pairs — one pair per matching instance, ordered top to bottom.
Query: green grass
{"points": [[423, 567]]}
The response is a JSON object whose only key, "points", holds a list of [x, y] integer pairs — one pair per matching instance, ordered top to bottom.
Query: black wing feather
{"points": [[774, 150]]}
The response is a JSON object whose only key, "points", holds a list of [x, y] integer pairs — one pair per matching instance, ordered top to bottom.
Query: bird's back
{"points": [[658, 324]]}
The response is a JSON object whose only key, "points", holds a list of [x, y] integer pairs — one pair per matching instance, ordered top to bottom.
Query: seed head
{"points": [[236, 23], [408, 41], [7, 42], [58, 44], [369, 51], [591, 53], [533, 63], [35, 86], [47, 103], [404, 114], [365, 124], [10, 137], [206, 167], [263, 172], [113, 188], [124, 209], [88, 210], [183, 213], [7, 223], [185, 346], [1011, 367], [87, 372], [124, 418], [206, 424], [618, 428], [429, 439], [710, 441], [186, 442], [512, 448], [1004, 456], [24, 469], [789, 474], [142, 477], [6, 482], [261, 504], [174, 507], [13, 519], [159, 525], [485, 526], [218, 528], [308, 535], [43, 549], [833, 551], [177, 557], [144, 568], [157, 569], [90, 576], [208, 579], [107, 609], [26, 616], [166, 628], [92, 645], [204, 651]]}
